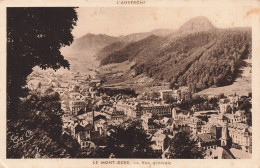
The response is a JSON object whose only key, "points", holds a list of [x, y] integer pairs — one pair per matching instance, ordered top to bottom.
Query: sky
{"points": [[116, 21]]}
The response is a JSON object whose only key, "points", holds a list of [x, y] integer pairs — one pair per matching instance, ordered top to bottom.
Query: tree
{"points": [[34, 38], [39, 86], [48, 90], [155, 95], [169, 99], [213, 102], [247, 106], [229, 109], [38, 132], [129, 142], [70, 144], [37, 145], [183, 147]]}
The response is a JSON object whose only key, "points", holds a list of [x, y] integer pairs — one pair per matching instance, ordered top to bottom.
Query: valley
{"points": [[198, 55]]}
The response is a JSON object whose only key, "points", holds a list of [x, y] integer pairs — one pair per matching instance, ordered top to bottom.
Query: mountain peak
{"points": [[197, 24], [90, 35]]}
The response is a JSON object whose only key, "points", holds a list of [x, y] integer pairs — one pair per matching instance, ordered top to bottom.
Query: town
{"points": [[221, 123]]}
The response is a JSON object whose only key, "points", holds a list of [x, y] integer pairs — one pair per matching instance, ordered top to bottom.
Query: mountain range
{"points": [[198, 54]]}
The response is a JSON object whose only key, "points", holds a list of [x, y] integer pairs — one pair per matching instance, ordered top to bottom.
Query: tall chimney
{"points": [[93, 115]]}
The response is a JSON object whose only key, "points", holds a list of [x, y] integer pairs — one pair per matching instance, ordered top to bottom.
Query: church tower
{"points": [[174, 114], [188, 114], [93, 117], [225, 137]]}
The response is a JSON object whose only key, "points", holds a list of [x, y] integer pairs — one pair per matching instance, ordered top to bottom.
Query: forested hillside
{"points": [[131, 38], [93, 42], [116, 46], [131, 51], [199, 60], [221, 63]]}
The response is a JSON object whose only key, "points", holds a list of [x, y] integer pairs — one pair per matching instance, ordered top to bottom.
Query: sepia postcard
{"points": [[131, 83]]}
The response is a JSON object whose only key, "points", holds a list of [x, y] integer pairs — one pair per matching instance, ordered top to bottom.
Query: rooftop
{"points": [[206, 137], [240, 154]]}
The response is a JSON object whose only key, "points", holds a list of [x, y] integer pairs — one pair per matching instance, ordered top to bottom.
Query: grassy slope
{"points": [[241, 86]]}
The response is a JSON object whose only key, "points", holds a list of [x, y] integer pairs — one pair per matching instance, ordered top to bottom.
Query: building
{"points": [[164, 94], [75, 95], [186, 95], [233, 98], [76, 106], [223, 108], [130, 109], [136, 109], [156, 109], [108, 110], [118, 115], [87, 117], [238, 117], [146, 119], [217, 119], [100, 126], [152, 126], [194, 126], [206, 128], [216, 131], [241, 134], [158, 138], [225, 139], [207, 141], [87, 145], [219, 153], [240, 154]]}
